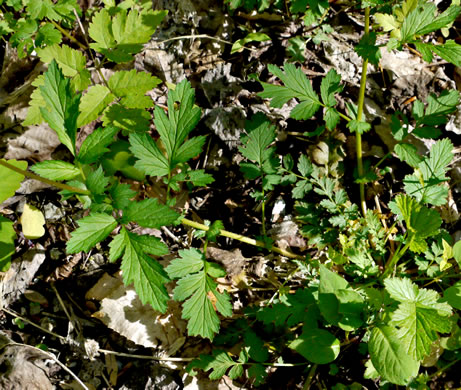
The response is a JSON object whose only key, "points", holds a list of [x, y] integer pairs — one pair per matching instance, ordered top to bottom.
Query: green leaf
{"points": [[42, 9], [386, 22], [47, 35], [122, 35], [251, 37], [367, 48], [449, 51], [71, 61], [297, 85], [131, 86], [93, 103], [61, 106], [34, 117], [182, 117], [129, 119], [359, 127], [257, 142], [95, 145], [190, 148], [408, 153], [151, 160], [305, 166], [56, 170], [199, 178], [11, 180], [96, 182], [149, 213], [92, 229], [7, 237], [457, 252], [147, 275], [199, 291], [452, 295], [419, 316], [317, 345], [389, 357], [218, 363]]}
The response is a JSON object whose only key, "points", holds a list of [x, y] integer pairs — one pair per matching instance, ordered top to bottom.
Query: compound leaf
{"points": [[297, 85], [198, 289]]}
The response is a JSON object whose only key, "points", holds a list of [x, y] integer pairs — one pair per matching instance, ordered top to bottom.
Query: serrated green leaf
{"points": [[42, 9], [386, 22], [100, 31], [47, 35], [367, 48], [449, 51], [71, 61], [297, 85], [130, 86], [329, 87], [93, 103], [61, 106], [34, 117], [182, 117], [129, 119], [360, 127], [257, 142], [95, 145], [190, 148], [409, 154], [151, 160], [56, 170], [199, 178], [11, 180], [96, 182], [122, 195], [149, 213], [92, 229], [7, 238], [117, 246], [147, 275], [199, 292], [419, 316], [317, 345], [389, 356], [218, 363]]}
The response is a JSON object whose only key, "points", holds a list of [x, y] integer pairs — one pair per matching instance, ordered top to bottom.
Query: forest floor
{"points": [[55, 301]]}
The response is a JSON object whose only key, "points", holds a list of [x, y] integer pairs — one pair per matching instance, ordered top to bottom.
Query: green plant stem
{"points": [[65, 33], [358, 144], [57, 184], [263, 213], [239, 237], [394, 259]]}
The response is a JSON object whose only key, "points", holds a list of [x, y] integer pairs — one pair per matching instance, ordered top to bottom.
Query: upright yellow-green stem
{"points": [[363, 82]]}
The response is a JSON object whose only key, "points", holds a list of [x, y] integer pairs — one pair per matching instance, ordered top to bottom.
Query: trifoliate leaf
{"points": [[251, 37], [71, 61], [297, 85], [93, 103], [61, 106], [181, 120], [95, 145], [151, 160], [56, 170], [11, 180], [96, 182], [149, 213], [32, 221], [92, 229], [7, 247], [139, 269], [199, 291], [419, 316], [317, 345], [389, 356], [219, 363]]}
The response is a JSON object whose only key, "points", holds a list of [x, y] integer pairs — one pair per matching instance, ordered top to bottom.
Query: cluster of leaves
{"points": [[29, 25]]}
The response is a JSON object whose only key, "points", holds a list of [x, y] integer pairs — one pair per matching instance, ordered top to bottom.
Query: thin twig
{"points": [[197, 36]]}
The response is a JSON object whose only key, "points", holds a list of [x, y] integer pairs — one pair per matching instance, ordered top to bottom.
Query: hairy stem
{"points": [[358, 147], [56, 184], [241, 238]]}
